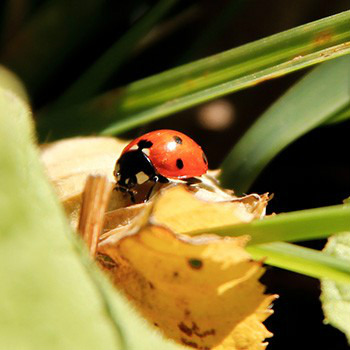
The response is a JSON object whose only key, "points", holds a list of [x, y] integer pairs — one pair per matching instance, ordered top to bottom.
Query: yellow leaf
{"points": [[69, 162], [182, 212], [203, 292]]}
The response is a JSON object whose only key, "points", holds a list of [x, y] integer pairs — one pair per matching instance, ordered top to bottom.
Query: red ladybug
{"points": [[159, 156]]}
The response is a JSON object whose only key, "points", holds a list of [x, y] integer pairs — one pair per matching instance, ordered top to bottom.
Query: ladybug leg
{"points": [[155, 179], [130, 192], [132, 196]]}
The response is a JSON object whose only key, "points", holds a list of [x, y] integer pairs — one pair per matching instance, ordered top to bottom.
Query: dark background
{"points": [[312, 172]]}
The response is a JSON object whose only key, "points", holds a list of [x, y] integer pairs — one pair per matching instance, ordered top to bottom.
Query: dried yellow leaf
{"points": [[69, 162], [180, 210], [203, 292]]}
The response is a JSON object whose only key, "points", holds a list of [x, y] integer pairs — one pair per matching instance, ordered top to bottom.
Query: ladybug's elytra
{"points": [[159, 156]]}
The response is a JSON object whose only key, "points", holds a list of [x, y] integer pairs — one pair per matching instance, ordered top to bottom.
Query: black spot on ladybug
{"points": [[178, 140], [144, 144], [205, 158], [179, 163], [195, 263], [175, 274]]}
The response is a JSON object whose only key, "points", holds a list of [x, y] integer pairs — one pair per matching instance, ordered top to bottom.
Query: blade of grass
{"points": [[168, 27], [58, 28], [214, 29], [94, 78], [200, 81], [317, 97], [340, 116], [294, 226], [302, 260]]}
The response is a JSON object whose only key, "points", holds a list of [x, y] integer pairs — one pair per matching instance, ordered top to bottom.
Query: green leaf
{"points": [[94, 78], [9, 81], [160, 95], [319, 96], [340, 116], [294, 226], [302, 260], [52, 295], [335, 296]]}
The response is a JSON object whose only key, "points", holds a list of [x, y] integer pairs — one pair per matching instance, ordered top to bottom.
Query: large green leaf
{"points": [[9, 81], [191, 84], [319, 96], [52, 295], [335, 295]]}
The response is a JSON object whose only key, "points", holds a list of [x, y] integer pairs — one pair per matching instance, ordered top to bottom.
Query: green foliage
{"points": [[92, 80], [186, 86], [321, 95], [295, 226], [36, 242], [303, 260], [51, 292], [336, 295]]}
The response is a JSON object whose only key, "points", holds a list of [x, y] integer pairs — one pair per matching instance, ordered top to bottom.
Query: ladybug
{"points": [[159, 156]]}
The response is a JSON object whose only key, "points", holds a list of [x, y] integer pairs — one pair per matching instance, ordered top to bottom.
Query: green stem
{"points": [[295, 226], [302, 260]]}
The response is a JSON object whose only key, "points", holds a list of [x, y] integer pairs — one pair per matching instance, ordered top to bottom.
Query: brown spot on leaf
{"points": [[323, 37], [195, 263], [175, 274], [151, 285], [185, 329], [194, 329], [203, 334], [192, 344]]}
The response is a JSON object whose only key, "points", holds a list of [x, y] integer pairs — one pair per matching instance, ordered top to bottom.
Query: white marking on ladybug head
{"points": [[171, 146], [134, 148], [146, 151], [116, 171], [141, 177]]}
